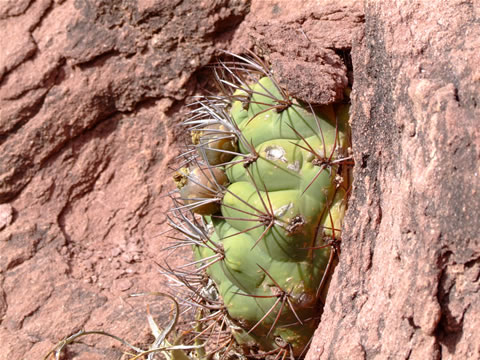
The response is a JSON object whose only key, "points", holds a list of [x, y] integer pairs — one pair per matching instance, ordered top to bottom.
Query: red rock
{"points": [[90, 97], [87, 133], [6, 215], [411, 239]]}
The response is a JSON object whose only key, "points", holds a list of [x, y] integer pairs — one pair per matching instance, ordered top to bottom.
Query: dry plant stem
{"points": [[160, 336]]}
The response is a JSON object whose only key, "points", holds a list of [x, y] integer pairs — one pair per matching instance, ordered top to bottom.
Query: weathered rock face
{"points": [[308, 47], [90, 95], [88, 130], [407, 286]]}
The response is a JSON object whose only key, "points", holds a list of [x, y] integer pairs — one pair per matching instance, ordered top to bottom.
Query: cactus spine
{"points": [[262, 201]]}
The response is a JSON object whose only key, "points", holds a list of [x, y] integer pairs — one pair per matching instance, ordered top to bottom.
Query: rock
{"points": [[308, 47], [91, 94], [6, 215], [407, 283], [123, 284]]}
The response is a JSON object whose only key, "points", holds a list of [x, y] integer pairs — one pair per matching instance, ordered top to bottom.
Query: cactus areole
{"points": [[262, 201]]}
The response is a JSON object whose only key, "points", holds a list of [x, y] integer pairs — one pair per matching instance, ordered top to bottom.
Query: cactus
{"points": [[262, 201]]}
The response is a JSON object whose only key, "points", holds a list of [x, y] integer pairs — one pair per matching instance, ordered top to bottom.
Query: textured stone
{"points": [[308, 45], [90, 95], [6, 215], [410, 259]]}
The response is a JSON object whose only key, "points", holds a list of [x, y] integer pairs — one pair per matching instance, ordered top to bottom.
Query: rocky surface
{"points": [[308, 46], [91, 94], [90, 102], [407, 285]]}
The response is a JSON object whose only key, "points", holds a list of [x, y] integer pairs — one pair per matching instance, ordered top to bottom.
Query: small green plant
{"points": [[261, 200]]}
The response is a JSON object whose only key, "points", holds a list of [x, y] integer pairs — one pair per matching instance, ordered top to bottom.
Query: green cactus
{"points": [[270, 182]]}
